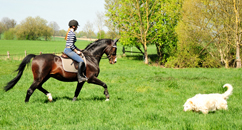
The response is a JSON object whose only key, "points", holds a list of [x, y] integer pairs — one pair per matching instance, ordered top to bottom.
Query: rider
{"points": [[72, 51]]}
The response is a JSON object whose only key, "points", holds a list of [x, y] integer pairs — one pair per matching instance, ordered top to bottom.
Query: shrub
{"points": [[9, 35], [183, 60], [210, 62]]}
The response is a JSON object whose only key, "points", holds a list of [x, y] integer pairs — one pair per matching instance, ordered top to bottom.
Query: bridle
{"points": [[109, 53]]}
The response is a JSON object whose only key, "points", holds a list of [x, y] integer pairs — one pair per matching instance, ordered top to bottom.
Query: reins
{"points": [[105, 57]]}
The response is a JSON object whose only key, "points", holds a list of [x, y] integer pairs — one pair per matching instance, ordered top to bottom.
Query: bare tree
{"points": [[112, 14], [8, 23], [100, 23], [55, 27], [1, 29], [88, 29]]}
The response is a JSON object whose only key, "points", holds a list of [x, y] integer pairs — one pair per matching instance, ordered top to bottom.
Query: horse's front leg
{"points": [[96, 81], [78, 89]]}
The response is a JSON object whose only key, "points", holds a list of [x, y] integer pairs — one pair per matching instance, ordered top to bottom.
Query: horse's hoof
{"points": [[49, 97], [74, 99], [107, 100]]}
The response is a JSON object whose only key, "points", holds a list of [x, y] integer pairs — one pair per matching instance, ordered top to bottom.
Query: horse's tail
{"points": [[20, 70]]}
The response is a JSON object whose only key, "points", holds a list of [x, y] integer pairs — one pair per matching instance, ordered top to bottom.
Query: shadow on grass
{"points": [[152, 57], [95, 98]]}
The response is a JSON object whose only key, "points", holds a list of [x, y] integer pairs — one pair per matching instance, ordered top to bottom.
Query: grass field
{"points": [[141, 96]]}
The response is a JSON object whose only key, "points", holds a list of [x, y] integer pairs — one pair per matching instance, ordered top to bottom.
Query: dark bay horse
{"points": [[49, 65]]}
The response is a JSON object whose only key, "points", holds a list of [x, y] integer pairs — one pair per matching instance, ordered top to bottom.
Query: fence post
{"points": [[123, 51], [25, 52], [8, 54]]}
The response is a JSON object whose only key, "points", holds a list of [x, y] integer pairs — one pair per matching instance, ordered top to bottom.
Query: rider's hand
{"points": [[78, 52]]}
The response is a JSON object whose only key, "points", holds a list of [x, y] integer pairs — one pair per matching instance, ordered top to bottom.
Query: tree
{"points": [[112, 14], [136, 18], [8, 23], [99, 23], [55, 27], [33, 28], [1, 29], [88, 29], [211, 29], [238, 30], [62, 33], [9, 34], [101, 34], [111, 34], [165, 36]]}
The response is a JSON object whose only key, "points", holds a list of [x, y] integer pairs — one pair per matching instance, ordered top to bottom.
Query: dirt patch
{"points": [[85, 39]]}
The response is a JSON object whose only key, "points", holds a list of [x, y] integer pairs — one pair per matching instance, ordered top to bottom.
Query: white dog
{"points": [[208, 102]]}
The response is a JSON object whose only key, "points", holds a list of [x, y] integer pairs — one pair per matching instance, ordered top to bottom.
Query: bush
{"points": [[9, 35], [183, 60], [210, 62]]}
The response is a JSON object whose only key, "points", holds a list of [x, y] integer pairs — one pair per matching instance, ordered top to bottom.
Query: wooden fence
{"points": [[131, 51], [25, 54]]}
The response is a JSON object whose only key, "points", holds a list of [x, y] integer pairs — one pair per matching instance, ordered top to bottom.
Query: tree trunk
{"points": [[237, 33], [123, 51], [145, 53], [238, 60], [226, 61]]}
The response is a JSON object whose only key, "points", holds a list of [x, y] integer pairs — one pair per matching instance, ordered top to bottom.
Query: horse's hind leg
{"points": [[38, 81], [37, 85], [31, 90], [44, 90], [46, 93]]}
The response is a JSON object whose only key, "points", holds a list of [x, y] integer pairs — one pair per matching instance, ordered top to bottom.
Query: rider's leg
{"points": [[81, 67], [81, 76]]}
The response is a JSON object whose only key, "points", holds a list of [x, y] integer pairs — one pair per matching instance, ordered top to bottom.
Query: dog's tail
{"points": [[228, 92]]}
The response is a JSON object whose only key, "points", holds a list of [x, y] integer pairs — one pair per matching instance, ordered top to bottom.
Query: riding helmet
{"points": [[73, 23]]}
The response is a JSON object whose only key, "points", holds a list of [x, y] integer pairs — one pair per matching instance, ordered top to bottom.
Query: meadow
{"points": [[141, 96]]}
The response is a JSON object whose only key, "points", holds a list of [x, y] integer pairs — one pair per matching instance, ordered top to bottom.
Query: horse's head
{"points": [[101, 46], [111, 51]]}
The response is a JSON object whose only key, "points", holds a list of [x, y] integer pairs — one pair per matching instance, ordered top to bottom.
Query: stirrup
{"points": [[81, 78]]}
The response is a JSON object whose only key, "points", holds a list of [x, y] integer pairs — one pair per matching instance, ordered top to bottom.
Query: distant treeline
{"points": [[187, 33]]}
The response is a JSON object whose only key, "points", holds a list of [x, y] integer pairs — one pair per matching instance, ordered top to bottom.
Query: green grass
{"points": [[141, 97]]}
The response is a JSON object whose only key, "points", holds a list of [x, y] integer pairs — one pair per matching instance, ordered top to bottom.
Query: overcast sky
{"points": [[60, 11]]}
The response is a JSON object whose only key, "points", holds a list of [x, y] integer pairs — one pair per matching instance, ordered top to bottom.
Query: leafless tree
{"points": [[8, 23], [99, 23], [55, 28], [88, 28]]}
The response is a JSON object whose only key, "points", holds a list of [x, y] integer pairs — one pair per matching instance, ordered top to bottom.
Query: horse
{"points": [[45, 66]]}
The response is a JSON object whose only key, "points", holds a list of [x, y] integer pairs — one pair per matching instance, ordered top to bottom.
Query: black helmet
{"points": [[73, 23]]}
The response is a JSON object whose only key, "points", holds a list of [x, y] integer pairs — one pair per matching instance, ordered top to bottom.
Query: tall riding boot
{"points": [[80, 75]]}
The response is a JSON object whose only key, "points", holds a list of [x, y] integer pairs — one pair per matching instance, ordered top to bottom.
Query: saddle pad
{"points": [[68, 65]]}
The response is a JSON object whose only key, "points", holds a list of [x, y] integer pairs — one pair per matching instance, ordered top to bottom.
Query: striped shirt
{"points": [[71, 39]]}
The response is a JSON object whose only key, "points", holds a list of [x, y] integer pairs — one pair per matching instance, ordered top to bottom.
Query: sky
{"points": [[59, 11]]}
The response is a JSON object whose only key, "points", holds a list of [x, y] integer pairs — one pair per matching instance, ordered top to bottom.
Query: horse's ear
{"points": [[115, 41]]}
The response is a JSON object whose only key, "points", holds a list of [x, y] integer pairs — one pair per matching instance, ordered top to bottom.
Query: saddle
{"points": [[66, 57]]}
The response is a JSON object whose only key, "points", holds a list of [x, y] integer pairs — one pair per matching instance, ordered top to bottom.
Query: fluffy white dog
{"points": [[208, 102]]}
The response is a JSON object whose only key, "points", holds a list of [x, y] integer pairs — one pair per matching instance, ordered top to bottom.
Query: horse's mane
{"points": [[96, 43]]}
